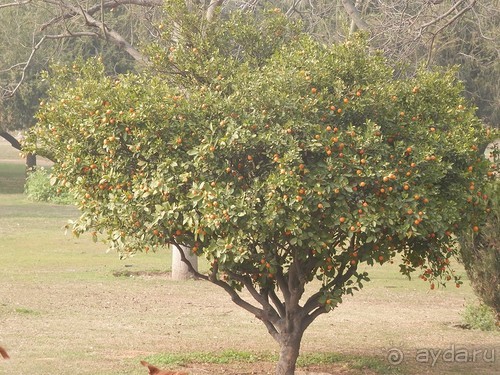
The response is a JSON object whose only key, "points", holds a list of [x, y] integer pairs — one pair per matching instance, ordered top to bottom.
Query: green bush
{"points": [[38, 188], [480, 316]]}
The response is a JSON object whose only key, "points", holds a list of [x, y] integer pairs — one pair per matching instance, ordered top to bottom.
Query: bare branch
{"points": [[15, 4], [105, 5], [293, 8], [211, 9], [354, 14], [458, 15], [442, 16], [102, 21], [353, 27], [480, 28], [95, 29], [72, 35], [113, 35], [10, 93], [12, 140], [339, 280], [296, 284], [248, 285], [235, 297], [280, 307], [312, 307], [267, 312], [308, 319], [272, 330]]}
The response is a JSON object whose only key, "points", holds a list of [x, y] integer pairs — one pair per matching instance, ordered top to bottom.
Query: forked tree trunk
{"points": [[289, 348]]}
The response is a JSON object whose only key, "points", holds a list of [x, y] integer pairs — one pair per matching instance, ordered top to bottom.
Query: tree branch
{"points": [[17, 3], [105, 5], [211, 9], [70, 11], [355, 15], [442, 16], [353, 27], [113, 35], [433, 39], [10, 93], [12, 140], [188, 263], [339, 280], [283, 284], [295, 284], [248, 285], [235, 297], [280, 307], [312, 307], [267, 312], [309, 318]]}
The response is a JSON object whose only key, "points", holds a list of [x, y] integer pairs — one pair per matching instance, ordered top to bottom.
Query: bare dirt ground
{"points": [[69, 308], [105, 324]]}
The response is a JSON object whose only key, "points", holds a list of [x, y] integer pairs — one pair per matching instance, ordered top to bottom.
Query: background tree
{"points": [[61, 32], [35, 33], [412, 33], [471, 43], [286, 163], [480, 253]]}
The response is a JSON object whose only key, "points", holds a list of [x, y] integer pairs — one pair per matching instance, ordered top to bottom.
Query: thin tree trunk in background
{"points": [[353, 12], [354, 27], [30, 162], [180, 270]]}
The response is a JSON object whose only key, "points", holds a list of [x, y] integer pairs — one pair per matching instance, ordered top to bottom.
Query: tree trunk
{"points": [[350, 8], [354, 27], [30, 158], [30, 162], [180, 270], [289, 352]]}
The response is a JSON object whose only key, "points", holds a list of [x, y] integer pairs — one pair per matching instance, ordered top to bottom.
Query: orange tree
{"points": [[285, 162]]}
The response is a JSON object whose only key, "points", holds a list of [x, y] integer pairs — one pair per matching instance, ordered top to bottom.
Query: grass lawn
{"points": [[12, 178], [67, 306]]}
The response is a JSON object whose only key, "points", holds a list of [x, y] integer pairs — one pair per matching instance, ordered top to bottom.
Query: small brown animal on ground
{"points": [[3, 353], [156, 371]]}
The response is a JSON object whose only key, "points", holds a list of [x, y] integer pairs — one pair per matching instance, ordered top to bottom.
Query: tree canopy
{"points": [[38, 33], [409, 33], [278, 158]]}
